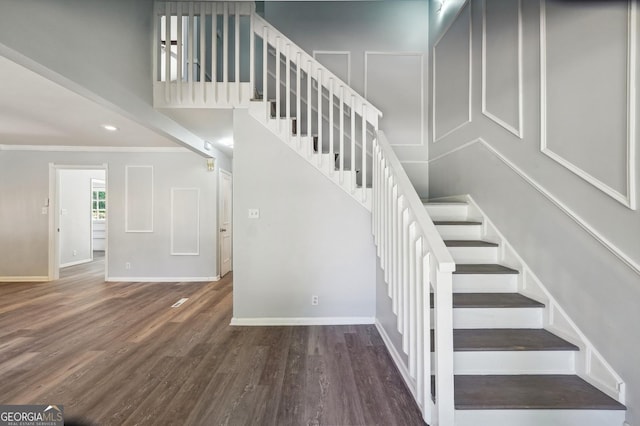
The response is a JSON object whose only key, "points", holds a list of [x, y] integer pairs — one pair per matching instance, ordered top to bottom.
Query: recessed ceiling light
{"points": [[109, 127], [226, 142], [207, 145]]}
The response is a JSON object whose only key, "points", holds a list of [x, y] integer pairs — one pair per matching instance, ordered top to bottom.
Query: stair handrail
{"points": [[373, 113], [414, 258]]}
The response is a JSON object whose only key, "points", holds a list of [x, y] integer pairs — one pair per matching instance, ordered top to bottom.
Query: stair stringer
{"points": [[321, 162], [590, 365]]}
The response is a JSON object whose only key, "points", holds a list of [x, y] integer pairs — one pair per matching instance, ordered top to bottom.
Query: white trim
{"points": [[336, 52], [433, 55], [422, 90], [519, 130], [71, 148], [126, 199], [628, 199], [575, 217], [172, 251], [76, 262], [25, 279], [162, 279], [301, 321], [397, 359], [615, 386]]}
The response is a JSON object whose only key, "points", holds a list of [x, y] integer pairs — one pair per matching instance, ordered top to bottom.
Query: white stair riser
{"points": [[444, 211], [460, 232], [474, 254], [485, 283], [472, 318], [513, 362], [539, 417]]}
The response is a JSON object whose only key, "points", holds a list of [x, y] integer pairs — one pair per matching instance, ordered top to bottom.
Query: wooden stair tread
{"points": [[456, 222], [469, 243], [483, 268], [492, 300], [509, 339], [519, 392]]}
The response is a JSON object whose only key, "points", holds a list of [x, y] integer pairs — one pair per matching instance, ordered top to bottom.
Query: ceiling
{"points": [[37, 111]]}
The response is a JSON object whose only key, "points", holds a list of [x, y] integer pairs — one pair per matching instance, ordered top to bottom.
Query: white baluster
{"points": [[191, 46], [214, 50], [237, 50], [167, 52], [225, 52], [252, 52], [180, 60], [201, 61], [265, 67], [278, 86], [319, 86], [288, 91], [298, 97], [309, 127], [331, 129], [341, 134], [353, 142], [364, 152], [412, 300], [426, 340], [444, 348]]}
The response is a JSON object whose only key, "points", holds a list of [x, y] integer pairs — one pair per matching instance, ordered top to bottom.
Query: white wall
{"points": [[387, 43], [99, 49], [559, 185], [24, 189], [74, 209], [311, 238]]}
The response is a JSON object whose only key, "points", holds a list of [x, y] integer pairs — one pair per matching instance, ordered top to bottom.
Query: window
{"points": [[99, 204]]}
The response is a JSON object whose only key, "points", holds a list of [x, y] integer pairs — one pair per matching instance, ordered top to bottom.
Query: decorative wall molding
{"points": [[336, 52], [422, 87], [517, 130], [436, 138], [71, 148], [628, 199], [133, 205], [563, 207], [179, 217], [302, 321]]}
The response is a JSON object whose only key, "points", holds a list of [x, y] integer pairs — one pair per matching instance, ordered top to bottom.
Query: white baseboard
{"points": [[75, 262], [23, 279], [161, 279], [302, 321], [397, 359]]}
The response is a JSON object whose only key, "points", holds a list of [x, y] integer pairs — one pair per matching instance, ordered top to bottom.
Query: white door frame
{"points": [[220, 197], [54, 217]]}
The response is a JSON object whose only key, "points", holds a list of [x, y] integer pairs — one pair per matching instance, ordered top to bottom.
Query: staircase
{"points": [[485, 343], [508, 368]]}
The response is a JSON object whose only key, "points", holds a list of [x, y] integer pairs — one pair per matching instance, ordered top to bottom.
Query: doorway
{"points": [[77, 216], [225, 221]]}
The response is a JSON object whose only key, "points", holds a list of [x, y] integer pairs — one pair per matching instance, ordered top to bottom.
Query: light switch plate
{"points": [[254, 213]]}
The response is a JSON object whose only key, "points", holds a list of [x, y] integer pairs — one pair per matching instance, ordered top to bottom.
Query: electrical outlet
{"points": [[45, 210], [254, 213], [75, 252], [127, 265], [314, 300]]}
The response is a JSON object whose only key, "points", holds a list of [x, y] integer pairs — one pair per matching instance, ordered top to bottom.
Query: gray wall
{"points": [[393, 37], [99, 49], [24, 189], [543, 196], [74, 208], [311, 238]]}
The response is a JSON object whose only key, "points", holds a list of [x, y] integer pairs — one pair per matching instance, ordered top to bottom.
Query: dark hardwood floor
{"points": [[117, 353]]}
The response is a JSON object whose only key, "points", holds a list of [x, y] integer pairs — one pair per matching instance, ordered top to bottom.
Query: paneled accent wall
{"points": [[337, 61], [502, 63], [452, 76], [394, 82], [603, 117], [549, 148], [139, 199], [185, 221]]}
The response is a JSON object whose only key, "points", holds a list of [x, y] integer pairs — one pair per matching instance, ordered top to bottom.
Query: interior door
{"points": [[226, 224]]}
